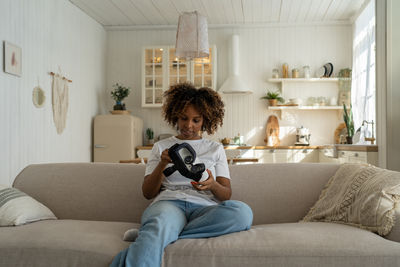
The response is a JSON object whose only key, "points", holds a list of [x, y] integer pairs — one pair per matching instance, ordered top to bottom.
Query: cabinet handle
{"points": [[100, 146], [271, 150], [355, 154]]}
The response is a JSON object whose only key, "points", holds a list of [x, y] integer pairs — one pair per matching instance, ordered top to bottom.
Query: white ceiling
{"points": [[139, 13]]}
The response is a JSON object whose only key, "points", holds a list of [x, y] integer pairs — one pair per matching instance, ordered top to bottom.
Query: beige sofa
{"points": [[96, 203]]}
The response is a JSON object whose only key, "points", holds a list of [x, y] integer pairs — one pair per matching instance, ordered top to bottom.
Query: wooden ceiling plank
{"points": [[184, 5], [199, 6], [246, 6], [257, 8], [286, 8], [304, 9], [349, 9], [108, 10], [313, 10], [332, 10], [91, 11], [168, 11], [214, 11], [228, 11], [237, 11], [266, 11], [275, 11], [294, 11], [131, 12], [151, 13], [319, 15]]}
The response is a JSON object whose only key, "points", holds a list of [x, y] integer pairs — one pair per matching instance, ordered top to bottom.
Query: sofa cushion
{"points": [[101, 191], [280, 192], [361, 195], [18, 208], [62, 243], [287, 244]]}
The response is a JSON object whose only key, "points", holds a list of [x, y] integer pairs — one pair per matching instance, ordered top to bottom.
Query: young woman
{"points": [[181, 207]]}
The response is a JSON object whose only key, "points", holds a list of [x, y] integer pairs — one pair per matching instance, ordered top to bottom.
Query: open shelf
{"points": [[278, 80], [305, 107]]}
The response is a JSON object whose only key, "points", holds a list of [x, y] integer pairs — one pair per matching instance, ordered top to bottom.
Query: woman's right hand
{"points": [[165, 159]]}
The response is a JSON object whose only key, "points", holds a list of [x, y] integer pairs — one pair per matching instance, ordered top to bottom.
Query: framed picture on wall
{"points": [[12, 59]]}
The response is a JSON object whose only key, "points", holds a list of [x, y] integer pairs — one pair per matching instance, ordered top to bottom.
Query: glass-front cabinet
{"points": [[161, 68], [178, 68], [154, 75]]}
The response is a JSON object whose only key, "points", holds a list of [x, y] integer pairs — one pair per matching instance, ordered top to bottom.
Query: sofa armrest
{"points": [[394, 234]]}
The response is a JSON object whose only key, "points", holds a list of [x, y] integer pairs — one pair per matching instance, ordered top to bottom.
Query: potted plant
{"points": [[118, 94], [273, 98], [348, 120], [150, 136]]}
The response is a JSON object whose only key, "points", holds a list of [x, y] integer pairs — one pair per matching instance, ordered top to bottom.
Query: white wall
{"points": [[52, 34], [261, 50]]}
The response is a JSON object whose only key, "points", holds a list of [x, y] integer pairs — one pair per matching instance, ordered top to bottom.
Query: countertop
{"points": [[366, 148]]}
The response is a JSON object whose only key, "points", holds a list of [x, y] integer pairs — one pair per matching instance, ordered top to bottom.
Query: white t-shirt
{"points": [[176, 186]]}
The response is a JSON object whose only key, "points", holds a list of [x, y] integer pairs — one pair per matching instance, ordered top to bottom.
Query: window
{"points": [[363, 74]]}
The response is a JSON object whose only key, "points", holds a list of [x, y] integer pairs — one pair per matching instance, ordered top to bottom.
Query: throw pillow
{"points": [[360, 195], [18, 208]]}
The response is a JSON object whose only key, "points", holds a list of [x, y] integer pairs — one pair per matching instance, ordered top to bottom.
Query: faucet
{"points": [[372, 139]]}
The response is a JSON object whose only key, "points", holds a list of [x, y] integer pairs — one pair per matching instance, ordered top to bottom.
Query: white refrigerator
{"points": [[116, 137]]}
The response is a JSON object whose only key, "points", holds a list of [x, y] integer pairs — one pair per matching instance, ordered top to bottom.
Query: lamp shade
{"points": [[192, 36]]}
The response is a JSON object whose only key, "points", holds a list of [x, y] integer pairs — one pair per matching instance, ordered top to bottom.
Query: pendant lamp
{"points": [[192, 36]]}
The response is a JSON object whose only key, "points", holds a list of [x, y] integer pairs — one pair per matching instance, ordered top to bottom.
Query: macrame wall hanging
{"points": [[60, 101]]}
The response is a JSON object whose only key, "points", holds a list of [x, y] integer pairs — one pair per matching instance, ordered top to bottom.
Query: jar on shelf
{"points": [[285, 70], [306, 70], [275, 73], [295, 73]]}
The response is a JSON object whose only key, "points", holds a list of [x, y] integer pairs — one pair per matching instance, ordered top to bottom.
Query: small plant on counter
{"points": [[118, 94], [273, 98], [348, 120], [150, 136]]}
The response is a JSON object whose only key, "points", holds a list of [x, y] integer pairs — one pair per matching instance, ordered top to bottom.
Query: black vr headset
{"points": [[183, 157]]}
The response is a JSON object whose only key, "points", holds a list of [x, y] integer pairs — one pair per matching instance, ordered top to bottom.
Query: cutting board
{"points": [[272, 130]]}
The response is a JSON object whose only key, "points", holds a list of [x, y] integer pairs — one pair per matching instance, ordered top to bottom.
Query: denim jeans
{"points": [[168, 220]]}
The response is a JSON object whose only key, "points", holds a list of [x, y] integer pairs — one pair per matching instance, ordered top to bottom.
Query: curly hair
{"points": [[205, 100]]}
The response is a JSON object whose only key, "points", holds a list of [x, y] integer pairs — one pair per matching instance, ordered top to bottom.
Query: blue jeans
{"points": [[168, 220]]}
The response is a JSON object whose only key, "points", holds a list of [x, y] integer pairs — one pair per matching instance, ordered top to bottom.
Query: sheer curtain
{"points": [[363, 73]]}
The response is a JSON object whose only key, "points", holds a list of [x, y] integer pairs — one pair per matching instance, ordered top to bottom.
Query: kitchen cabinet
{"points": [[161, 69], [153, 75], [290, 154], [349, 154], [272, 155], [304, 155], [327, 155], [358, 157]]}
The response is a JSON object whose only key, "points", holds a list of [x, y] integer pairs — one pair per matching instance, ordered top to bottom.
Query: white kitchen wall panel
{"points": [[51, 33], [261, 50]]}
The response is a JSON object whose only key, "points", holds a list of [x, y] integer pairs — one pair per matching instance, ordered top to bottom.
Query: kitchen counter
{"points": [[366, 148], [279, 154]]}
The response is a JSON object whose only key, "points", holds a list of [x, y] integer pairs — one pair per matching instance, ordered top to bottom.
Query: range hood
{"points": [[234, 84]]}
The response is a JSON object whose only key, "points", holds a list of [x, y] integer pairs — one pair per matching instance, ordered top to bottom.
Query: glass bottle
{"points": [[285, 70], [306, 70], [275, 73], [295, 73]]}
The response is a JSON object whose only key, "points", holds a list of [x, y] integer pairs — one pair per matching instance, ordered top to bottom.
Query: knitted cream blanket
{"points": [[60, 102], [360, 195]]}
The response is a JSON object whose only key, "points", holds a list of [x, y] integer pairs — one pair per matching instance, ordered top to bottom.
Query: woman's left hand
{"points": [[205, 185]]}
